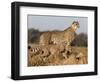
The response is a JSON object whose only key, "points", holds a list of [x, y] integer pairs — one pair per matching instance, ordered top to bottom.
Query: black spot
{"points": [[29, 47], [63, 51], [42, 52], [49, 52], [68, 52], [78, 58]]}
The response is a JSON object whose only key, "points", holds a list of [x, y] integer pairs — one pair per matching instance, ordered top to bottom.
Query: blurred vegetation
{"points": [[34, 37], [80, 40]]}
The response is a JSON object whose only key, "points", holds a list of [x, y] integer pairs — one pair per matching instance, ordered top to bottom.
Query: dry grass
{"points": [[78, 55]]}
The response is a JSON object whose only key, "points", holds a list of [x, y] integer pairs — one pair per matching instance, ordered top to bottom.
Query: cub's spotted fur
{"points": [[46, 50]]}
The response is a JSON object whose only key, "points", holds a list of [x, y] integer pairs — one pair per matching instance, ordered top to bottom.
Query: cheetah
{"points": [[66, 36]]}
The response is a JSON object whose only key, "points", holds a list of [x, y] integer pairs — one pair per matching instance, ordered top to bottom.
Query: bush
{"points": [[33, 35], [80, 40]]}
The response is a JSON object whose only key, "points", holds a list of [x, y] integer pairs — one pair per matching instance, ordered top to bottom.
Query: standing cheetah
{"points": [[66, 36]]}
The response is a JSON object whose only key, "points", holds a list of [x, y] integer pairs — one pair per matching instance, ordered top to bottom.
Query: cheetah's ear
{"points": [[75, 22]]}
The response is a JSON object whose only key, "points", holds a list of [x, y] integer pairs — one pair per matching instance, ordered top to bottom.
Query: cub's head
{"points": [[75, 25]]}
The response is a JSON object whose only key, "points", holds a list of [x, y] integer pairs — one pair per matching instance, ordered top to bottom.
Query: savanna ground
{"points": [[78, 55]]}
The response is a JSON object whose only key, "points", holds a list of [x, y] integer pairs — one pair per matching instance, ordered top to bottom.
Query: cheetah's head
{"points": [[75, 25]]}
